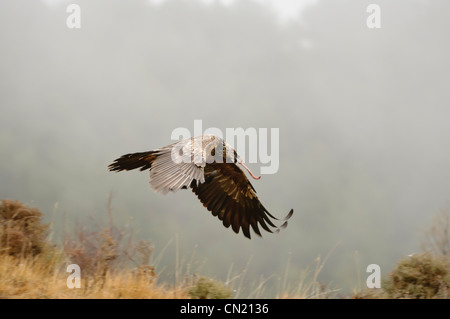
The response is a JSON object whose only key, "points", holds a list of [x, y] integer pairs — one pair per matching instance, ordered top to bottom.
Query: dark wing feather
{"points": [[128, 162], [229, 195]]}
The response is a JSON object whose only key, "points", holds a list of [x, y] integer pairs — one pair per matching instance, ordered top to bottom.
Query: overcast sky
{"points": [[286, 9]]}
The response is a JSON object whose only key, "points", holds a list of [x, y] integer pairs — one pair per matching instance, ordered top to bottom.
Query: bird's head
{"points": [[233, 157]]}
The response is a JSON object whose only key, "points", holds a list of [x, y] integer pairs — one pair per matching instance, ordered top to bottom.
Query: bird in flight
{"points": [[208, 166]]}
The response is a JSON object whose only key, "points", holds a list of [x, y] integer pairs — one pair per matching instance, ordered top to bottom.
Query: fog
{"points": [[363, 116]]}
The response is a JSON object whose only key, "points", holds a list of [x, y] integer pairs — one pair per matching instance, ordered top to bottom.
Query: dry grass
{"points": [[436, 239], [114, 266], [30, 267], [34, 278], [307, 286]]}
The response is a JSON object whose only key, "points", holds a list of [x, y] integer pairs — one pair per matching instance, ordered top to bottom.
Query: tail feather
{"points": [[129, 162]]}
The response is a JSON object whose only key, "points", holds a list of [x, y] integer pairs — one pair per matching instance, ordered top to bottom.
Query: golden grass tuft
{"points": [[32, 278]]}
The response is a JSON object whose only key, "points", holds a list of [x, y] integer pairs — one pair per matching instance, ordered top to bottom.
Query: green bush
{"points": [[420, 276], [207, 288]]}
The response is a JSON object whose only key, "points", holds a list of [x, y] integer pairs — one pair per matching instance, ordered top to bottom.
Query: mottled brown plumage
{"points": [[208, 166]]}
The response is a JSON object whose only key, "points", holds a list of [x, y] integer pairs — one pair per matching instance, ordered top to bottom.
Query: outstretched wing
{"points": [[165, 173], [229, 195]]}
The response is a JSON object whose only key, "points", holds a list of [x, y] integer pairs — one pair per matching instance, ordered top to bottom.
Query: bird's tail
{"points": [[128, 162]]}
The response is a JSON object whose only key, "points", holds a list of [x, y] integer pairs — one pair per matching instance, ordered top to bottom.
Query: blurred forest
{"points": [[363, 117]]}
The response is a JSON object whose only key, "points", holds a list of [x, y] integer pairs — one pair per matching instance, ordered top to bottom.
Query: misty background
{"points": [[363, 116]]}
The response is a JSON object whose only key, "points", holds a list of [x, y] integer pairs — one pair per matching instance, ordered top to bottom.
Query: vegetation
{"points": [[21, 230], [437, 238], [114, 266], [30, 267], [424, 275], [420, 276], [33, 278], [207, 288]]}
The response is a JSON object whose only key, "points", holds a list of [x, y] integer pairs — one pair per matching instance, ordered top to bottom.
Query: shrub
{"points": [[21, 230], [100, 250], [420, 276], [207, 288]]}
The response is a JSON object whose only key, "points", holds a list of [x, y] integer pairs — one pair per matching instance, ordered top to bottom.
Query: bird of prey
{"points": [[207, 165]]}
